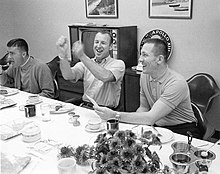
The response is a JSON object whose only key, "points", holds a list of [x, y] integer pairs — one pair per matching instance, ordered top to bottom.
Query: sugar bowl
{"points": [[181, 162]]}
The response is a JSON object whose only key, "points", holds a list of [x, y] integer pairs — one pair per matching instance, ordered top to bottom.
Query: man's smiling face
{"points": [[102, 46]]}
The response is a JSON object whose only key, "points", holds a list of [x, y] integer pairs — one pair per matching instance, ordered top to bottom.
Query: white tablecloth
{"points": [[60, 130]]}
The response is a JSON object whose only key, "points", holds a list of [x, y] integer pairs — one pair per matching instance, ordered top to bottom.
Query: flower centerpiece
{"points": [[122, 152]]}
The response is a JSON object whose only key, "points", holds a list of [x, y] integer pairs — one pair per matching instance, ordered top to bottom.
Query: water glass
{"points": [[45, 111]]}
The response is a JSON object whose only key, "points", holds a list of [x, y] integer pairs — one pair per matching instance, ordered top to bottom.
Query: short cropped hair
{"points": [[107, 32], [18, 42], [160, 47]]}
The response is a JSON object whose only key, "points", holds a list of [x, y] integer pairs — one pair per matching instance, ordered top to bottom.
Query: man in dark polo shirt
{"points": [[164, 94]]}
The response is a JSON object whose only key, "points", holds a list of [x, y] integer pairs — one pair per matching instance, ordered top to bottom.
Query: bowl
{"points": [[180, 146], [204, 160], [180, 162]]}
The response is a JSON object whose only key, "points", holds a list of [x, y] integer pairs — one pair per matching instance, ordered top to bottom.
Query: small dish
{"points": [[11, 91], [101, 128]]}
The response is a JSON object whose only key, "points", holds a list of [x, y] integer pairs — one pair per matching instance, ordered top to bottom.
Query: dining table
{"points": [[61, 132]]}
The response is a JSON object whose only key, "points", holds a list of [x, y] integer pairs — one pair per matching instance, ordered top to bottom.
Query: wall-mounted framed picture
{"points": [[101, 8], [176, 9]]}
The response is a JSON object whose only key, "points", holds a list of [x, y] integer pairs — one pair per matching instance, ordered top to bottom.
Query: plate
{"points": [[11, 91], [7, 103], [33, 103], [63, 108], [102, 128], [6, 132], [166, 134]]}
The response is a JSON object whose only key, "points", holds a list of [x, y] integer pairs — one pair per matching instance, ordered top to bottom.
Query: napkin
{"points": [[12, 164]]}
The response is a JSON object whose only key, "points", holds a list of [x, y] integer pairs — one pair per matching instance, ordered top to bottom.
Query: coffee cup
{"points": [[30, 110], [94, 123], [112, 123], [67, 166]]}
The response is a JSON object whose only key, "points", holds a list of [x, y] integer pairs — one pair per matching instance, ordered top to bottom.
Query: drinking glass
{"points": [[45, 111]]}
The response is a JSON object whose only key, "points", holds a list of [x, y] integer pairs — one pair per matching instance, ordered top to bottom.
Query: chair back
{"points": [[54, 67], [202, 87], [213, 118], [201, 121]]}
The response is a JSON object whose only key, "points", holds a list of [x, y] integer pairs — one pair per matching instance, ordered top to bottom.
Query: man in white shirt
{"points": [[102, 75]]}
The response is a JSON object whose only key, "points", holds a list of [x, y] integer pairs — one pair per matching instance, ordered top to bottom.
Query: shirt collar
{"points": [[103, 60], [27, 63], [161, 78]]}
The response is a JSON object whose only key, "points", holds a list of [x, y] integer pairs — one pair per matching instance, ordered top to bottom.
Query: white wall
{"points": [[41, 22], [6, 25]]}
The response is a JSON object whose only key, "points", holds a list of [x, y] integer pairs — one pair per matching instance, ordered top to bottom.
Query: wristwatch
{"points": [[1, 70], [118, 115]]}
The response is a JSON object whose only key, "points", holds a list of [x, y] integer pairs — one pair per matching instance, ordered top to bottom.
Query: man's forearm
{"points": [[66, 70], [136, 118]]}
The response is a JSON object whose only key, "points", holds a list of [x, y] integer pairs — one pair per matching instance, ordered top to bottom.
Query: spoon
{"points": [[205, 153]]}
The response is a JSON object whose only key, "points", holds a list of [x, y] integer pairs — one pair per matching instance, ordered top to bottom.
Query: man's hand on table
{"points": [[104, 112]]}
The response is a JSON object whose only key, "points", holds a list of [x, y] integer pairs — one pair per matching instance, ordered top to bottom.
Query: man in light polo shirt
{"points": [[102, 75], [164, 94]]}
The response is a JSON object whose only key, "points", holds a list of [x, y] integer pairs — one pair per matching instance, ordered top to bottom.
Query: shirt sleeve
{"points": [[118, 69], [78, 70], [46, 81], [174, 93]]}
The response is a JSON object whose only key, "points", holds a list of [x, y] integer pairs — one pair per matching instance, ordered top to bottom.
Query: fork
{"points": [[157, 133]]}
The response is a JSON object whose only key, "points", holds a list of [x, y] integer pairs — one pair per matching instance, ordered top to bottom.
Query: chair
{"points": [[4, 62], [54, 67], [202, 87], [213, 119], [201, 121]]}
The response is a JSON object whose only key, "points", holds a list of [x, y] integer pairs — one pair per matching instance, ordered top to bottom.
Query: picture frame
{"points": [[101, 8], [170, 9]]}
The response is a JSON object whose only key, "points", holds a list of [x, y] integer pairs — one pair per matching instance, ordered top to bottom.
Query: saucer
{"points": [[34, 103], [101, 128]]}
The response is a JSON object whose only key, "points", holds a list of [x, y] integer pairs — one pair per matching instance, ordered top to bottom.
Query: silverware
{"points": [[13, 136], [213, 145], [35, 155]]}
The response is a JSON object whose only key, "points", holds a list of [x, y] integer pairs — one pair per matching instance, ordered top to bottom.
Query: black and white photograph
{"points": [[101, 8], [170, 9], [109, 86]]}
